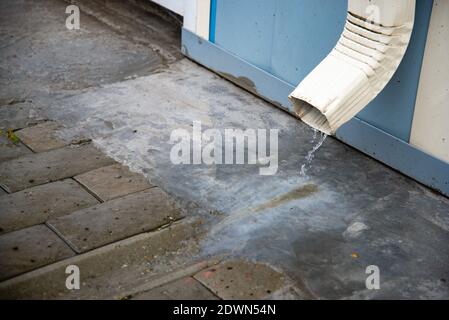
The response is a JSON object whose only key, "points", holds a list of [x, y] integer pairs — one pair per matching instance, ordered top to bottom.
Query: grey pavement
{"points": [[98, 105]]}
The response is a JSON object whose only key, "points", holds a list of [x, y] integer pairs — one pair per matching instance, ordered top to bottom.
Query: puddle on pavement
{"points": [[299, 193]]}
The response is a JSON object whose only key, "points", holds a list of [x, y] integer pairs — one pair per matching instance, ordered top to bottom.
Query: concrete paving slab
{"points": [[18, 115], [41, 137], [10, 150], [40, 168], [113, 181], [38, 204], [117, 219], [28, 249], [188, 268], [102, 270], [242, 280], [183, 289]]}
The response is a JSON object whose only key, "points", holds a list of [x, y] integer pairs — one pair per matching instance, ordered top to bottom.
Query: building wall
{"points": [[196, 14], [275, 35], [288, 38], [430, 131]]}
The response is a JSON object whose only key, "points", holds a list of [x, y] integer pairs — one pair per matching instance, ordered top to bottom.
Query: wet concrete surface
{"points": [[39, 55], [295, 223], [322, 230]]}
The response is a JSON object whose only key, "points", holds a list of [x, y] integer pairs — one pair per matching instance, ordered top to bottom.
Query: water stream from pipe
{"points": [[311, 154]]}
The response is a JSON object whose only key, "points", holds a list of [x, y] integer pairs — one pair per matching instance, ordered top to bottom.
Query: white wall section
{"points": [[177, 6], [190, 14], [196, 14], [203, 18], [430, 130]]}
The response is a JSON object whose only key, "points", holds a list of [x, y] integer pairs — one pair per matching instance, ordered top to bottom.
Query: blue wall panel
{"points": [[246, 28], [305, 32], [288, 38]]}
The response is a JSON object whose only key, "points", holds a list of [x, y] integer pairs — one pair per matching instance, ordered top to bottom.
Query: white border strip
{"points": [[177, 6], [430, 129]]}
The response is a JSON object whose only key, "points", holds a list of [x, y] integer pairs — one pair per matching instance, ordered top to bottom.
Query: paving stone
{"points": [[18, 115], [41, 137], [10, 150], [40, 168], [113, 181], [38, 204], [116, 219], [28, 249], [98, 267], [241, 280], [183, 289]]}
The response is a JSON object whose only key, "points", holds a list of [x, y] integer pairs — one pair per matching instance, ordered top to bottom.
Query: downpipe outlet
{"points": [[371, 47]]}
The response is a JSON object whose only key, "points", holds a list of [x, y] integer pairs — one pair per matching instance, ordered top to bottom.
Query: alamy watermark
{"points": [[73, 20], [229, 146], [373, 280], [72, 282]]}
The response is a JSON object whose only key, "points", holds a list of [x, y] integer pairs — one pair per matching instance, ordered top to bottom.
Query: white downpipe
{"points": [[370, 49]]}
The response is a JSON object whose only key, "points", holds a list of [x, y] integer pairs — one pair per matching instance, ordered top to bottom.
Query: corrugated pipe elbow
{"points": [[370, 49]]}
